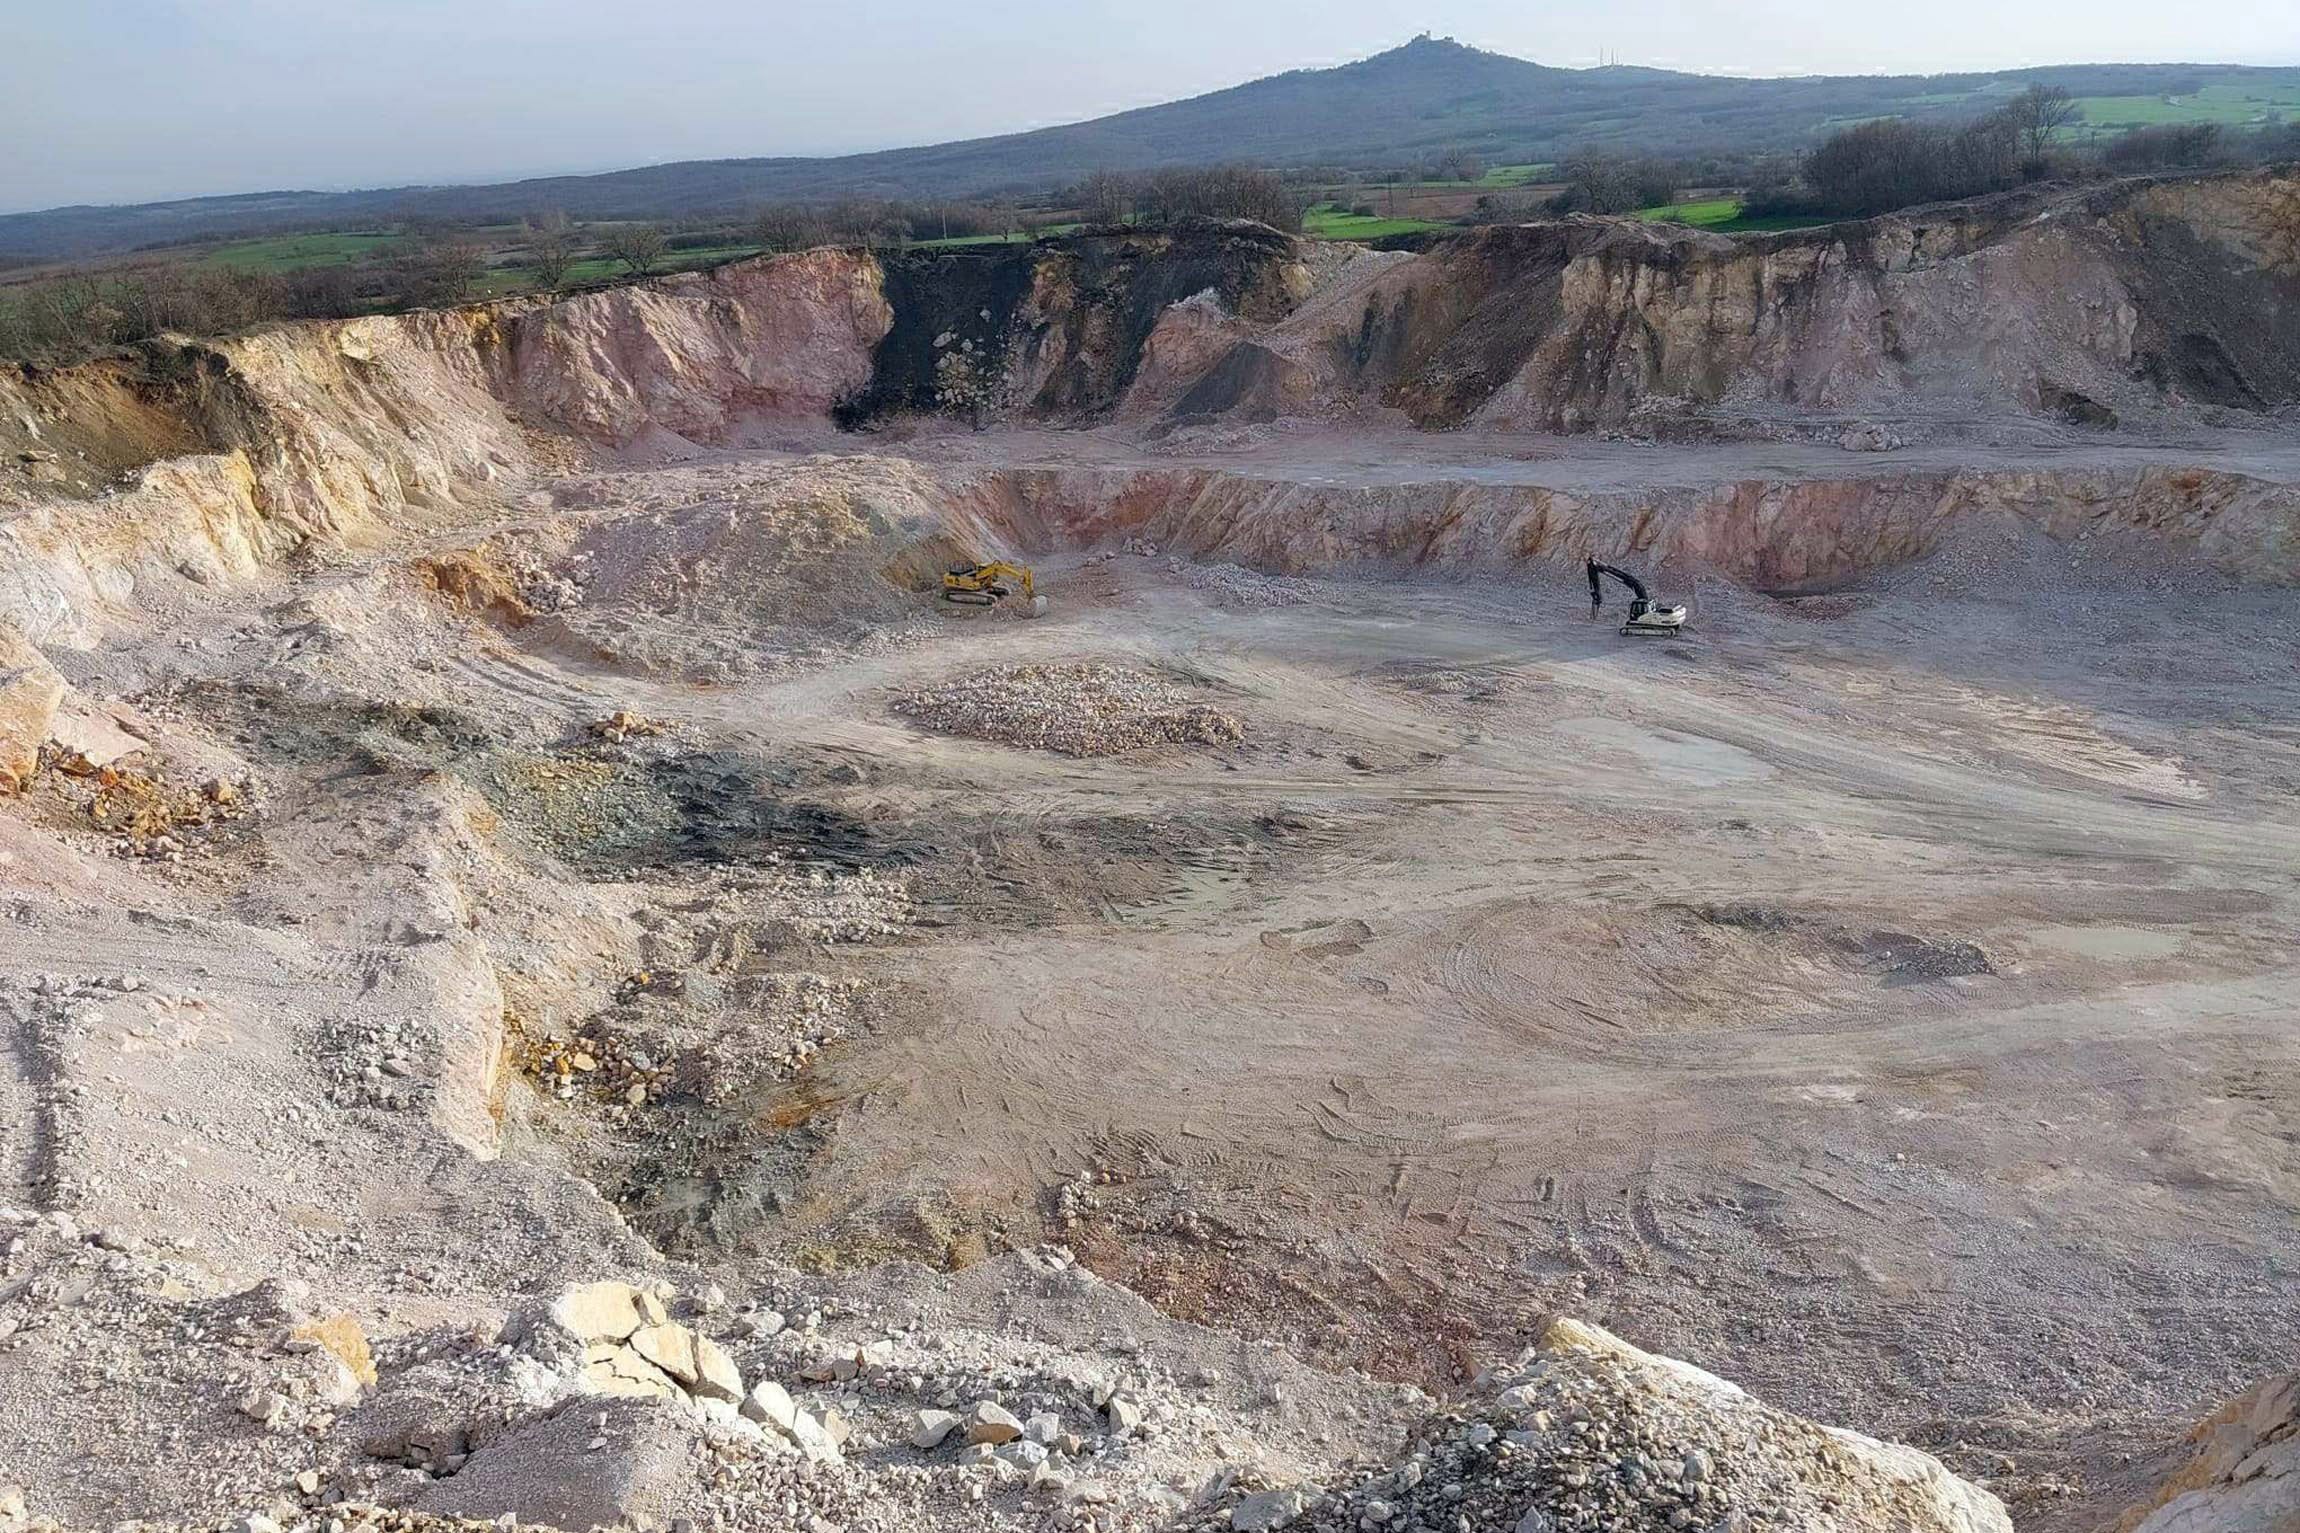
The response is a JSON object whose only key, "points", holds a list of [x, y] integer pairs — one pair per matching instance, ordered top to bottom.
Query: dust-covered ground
{"points": [[1880, 997]]}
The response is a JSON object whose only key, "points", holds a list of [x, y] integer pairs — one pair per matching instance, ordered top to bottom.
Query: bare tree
{"points": [[2037, 115], [2168, 144], [1890, 162], [1459, 165], [1612, 183], [1218, 191], [1106, 197], [786, 226], [551, 246], [639, 247], [444, 269]]}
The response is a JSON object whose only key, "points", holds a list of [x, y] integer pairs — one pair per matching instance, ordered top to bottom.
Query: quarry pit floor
{"points": [[1512, 967], [1882, 998]]}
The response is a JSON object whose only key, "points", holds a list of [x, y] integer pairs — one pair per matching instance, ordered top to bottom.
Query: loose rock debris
{"points": [[1078, 710], [622, 725], [146, 812], [294, 1061], [1587, 1432]]}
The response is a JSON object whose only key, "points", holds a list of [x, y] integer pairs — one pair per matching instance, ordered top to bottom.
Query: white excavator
{"points": [[1647, 617]]}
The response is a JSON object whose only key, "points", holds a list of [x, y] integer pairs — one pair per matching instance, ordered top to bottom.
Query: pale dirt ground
{"points": [[1381, 451], [1507, 967], [1437, 1025]]}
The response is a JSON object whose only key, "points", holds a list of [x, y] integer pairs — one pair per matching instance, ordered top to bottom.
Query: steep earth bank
{"points": [[2134, 302]]}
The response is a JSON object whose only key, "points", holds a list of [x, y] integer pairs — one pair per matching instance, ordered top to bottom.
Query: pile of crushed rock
{"points": [[1229, 582], [1244, 587], [1079, 710], [636, 1404], [1587, 1432]]}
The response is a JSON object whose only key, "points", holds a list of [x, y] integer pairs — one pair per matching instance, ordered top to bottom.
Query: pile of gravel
{"points": [[1245, 587], [1079, 710], [1587, 1433]]}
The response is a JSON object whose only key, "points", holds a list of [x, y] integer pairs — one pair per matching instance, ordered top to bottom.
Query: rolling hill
{"points": [[1400, 106]]}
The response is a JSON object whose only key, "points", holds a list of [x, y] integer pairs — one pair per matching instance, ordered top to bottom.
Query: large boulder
{"points": [[619, 1340], [571, 1469], [2243, 1475]]}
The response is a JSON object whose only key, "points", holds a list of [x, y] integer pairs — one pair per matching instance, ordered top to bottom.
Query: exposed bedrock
{"points": [[2133, 299], [205, 462], [1773, 535]]}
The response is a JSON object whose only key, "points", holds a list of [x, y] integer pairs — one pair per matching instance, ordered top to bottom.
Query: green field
{"points": [[2232, 106], [1514, 175], [1699, 215], [1722, 215], [1328, 221], [960, 241], [966, 241], [293, 252], [514, 277]]}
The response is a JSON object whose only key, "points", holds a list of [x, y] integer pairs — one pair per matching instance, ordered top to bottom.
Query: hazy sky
{"points": [[129, 100]]}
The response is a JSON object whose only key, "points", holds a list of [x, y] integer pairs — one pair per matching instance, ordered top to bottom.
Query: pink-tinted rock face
{"points": [[2131, 300], [2137, 302], [702, 356], [221, 458], [1788, 534]]}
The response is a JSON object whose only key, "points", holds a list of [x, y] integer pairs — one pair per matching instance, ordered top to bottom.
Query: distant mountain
{"points": [[1401, 106]]}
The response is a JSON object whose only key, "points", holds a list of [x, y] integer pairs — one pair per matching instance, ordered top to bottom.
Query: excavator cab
{"points": [[986, 585], [1647, 618]]}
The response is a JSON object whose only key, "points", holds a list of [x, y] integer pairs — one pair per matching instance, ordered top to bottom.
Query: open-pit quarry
{"points": [[548, 980]]}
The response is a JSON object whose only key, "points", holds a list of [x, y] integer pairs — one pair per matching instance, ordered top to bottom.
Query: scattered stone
{"points": [[1870, 436], [623, 725], [599, 1311], [341, 1337], [670, 1348], [716, 1376], [770, 1404], [264, 1406], [989, 1422], [932, 1428], [813, 1438], [1267, 1509]]}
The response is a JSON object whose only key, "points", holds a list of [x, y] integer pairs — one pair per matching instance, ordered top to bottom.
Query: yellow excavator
{"points": [[986, 585]]}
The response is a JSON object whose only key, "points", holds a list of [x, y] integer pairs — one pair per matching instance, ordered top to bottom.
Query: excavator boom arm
{"points": [[985, 578], [1597, 592]]}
